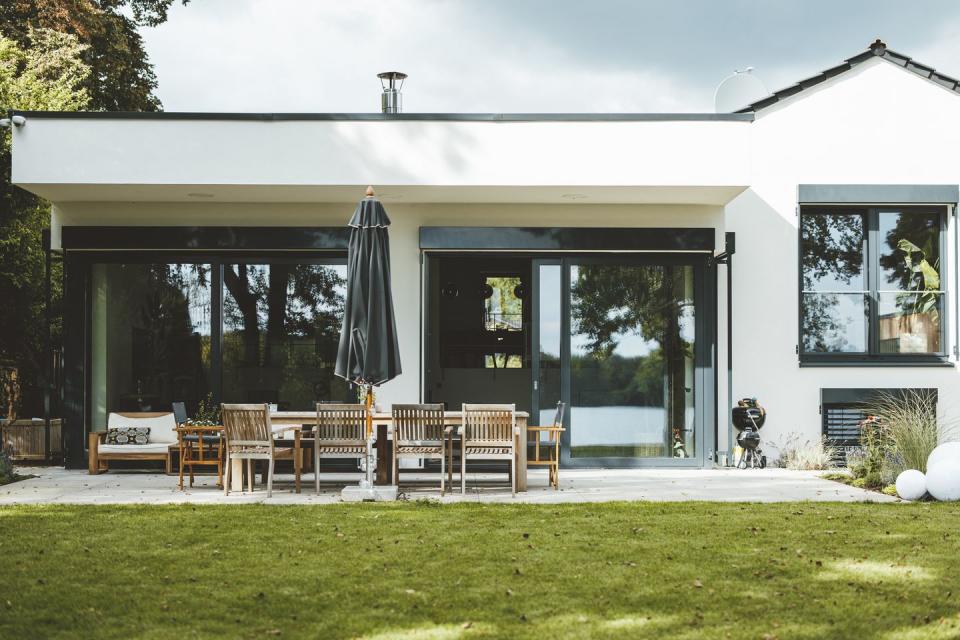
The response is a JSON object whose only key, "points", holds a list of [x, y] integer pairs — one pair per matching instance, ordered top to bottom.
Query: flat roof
{"points": [[389, 117]]}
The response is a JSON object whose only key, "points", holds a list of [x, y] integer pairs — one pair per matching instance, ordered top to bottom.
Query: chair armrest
{"points": [[447, 430], [460, 430], [96, 437]]}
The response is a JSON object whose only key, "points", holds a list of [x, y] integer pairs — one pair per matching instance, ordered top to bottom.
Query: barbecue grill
{"points": [[748, 418]]}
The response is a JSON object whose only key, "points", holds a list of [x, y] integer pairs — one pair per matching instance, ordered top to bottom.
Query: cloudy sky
{"points": [[520, 55]]}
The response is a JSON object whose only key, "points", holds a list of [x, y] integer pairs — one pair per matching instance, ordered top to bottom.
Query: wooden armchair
{"points": [[341, 432], [419, 432], [489, 432], [249, 437], [551, 447]]}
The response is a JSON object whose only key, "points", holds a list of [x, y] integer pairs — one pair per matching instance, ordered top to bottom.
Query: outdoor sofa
{"points": [[162, 443]]}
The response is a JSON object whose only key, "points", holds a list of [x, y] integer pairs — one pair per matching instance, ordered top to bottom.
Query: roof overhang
{"points": [[682, 159]]}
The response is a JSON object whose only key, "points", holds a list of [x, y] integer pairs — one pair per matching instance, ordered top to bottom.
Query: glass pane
{"points": [[909, 251], [832, 252], [503, 303], [550, 313], [834, 322], [910, 322], [281, 329], [150, 337], [631, 364]]}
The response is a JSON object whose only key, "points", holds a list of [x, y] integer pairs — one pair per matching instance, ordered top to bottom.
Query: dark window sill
{"points": [[942, 363]]}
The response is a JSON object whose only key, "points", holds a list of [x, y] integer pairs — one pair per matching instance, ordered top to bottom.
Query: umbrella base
{"points": [[380, 493]]}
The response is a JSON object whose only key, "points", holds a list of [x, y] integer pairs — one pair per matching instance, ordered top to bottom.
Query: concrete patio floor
{"points": [[55, 485]]}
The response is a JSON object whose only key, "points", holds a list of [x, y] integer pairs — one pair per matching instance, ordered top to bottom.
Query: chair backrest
{"points": [[180, 412], [558, 416], [341, 422], [417, 423], [489, 423], [247, 424]]}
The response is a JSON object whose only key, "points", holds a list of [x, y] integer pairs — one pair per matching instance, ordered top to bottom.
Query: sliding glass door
{"points": [[281, 329], [164, 330], [619, 340]]}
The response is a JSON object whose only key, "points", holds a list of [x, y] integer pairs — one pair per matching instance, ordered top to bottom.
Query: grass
{"points": [[625, 570]]}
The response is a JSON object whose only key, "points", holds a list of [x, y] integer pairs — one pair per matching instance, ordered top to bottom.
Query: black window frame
{"points": [[873, 356]]}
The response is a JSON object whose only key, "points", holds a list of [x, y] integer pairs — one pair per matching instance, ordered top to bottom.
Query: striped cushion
{"points": [[357, 450], [424, 450], [489, 451]]}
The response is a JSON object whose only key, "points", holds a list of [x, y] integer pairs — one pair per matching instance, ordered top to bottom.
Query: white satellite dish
{"points": [[738, 90]]}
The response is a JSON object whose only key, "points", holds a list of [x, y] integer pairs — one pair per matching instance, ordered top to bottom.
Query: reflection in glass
{"points": [[832, 252], [911, 302], [550, 311], [834, 322], [910, 322], [281, 329], [150, 337], [631, 362]]}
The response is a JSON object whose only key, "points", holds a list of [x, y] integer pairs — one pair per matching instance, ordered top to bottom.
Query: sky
{"points": [[515, 56]]}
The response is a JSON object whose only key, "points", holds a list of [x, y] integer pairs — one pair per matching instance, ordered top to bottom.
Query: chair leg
{"points": [[182, 451], [316, 467], [396, 469], [443, 472], [250, 474], [463, 474], [513, 476], [270, 478], [226, 479]]}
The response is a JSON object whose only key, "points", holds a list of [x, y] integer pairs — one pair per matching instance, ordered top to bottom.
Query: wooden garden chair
{"points": [[247, 431], [341, 432], [419, 432], [489, 432], [551, 448]]}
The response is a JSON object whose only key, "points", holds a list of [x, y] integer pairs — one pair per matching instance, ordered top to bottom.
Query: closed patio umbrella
{"points": [[369, 353]]}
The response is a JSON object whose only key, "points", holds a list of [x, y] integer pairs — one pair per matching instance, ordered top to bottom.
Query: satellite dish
{"points": [[738, 90]]}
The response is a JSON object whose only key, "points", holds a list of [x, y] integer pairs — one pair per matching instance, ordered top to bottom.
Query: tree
{"points": [[49, 74], [122, 78]]}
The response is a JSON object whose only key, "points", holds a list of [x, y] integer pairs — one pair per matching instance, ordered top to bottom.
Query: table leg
{"points": [[521, 453], [383, 457], [297, 458], [236, 475]]}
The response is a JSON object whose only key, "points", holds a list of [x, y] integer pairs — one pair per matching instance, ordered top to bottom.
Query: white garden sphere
{"points": [[948, 451], [943, 481], [911, 484]]}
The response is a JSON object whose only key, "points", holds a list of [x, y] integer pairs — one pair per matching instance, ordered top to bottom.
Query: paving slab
{"points": [[55, 485]]}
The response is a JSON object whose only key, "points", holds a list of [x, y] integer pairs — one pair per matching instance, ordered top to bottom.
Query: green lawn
{"points": [[631, 570]]}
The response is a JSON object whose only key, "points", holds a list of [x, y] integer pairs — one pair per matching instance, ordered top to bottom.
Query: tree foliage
{"points": [[48, 73], [122, 78]]}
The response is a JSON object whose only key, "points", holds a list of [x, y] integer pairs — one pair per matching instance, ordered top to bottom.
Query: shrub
{"points": [[909, 429], [807, 455]]}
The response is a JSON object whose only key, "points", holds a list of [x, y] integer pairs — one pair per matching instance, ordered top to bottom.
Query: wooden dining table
{"points": [[286, 422]]}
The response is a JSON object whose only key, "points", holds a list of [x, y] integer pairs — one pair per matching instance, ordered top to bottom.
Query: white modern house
{"points": [[536, 258]]}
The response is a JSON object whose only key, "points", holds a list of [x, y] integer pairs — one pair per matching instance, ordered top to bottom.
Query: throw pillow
{"points": [[128, 435]]}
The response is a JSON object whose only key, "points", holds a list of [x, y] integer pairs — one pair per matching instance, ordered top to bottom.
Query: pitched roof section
{"points": [[877, 49]]}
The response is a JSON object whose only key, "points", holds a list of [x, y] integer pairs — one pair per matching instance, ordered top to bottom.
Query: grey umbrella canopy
{"points": [[368, 352]]}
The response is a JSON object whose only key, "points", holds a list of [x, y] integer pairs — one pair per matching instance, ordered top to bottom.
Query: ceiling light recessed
{"points": [[199, 194]]}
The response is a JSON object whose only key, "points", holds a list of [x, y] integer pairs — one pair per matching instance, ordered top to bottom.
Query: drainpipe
{"points": [[956, 284]]}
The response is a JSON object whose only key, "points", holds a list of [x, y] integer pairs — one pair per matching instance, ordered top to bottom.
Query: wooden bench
{"points": [[162, 445]]}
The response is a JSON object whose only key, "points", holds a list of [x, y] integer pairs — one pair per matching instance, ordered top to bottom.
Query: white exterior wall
{"points": [[876, 124]]}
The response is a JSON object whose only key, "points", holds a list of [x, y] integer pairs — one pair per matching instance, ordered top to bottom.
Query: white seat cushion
{"points": [[162, 428], [153, 447]]}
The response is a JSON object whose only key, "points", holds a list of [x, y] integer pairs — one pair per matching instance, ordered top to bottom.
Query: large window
{"points": [[871, 284], [162, 332], [150, 339]]}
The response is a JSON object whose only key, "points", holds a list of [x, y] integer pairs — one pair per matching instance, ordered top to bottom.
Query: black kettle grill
{"points": [[748, 418]]}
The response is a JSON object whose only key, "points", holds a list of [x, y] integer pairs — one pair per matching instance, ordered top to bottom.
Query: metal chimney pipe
{"points": [[391, 101]]}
